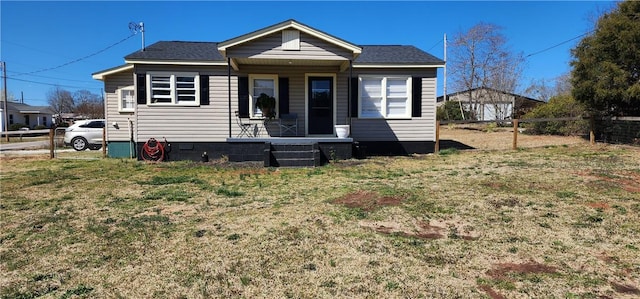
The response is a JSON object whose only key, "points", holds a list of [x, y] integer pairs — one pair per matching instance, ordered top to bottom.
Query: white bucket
{"points": [[342, 131]]}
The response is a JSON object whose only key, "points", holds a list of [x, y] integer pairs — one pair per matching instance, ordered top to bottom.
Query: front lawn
{"points": [[560, 221]]}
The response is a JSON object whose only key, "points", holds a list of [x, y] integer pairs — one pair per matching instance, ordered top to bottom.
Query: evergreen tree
{"points": [[606, 65]]}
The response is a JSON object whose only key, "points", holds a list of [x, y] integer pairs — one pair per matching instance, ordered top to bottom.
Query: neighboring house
{"points": [[189, 93], [492, 104], [29, 116]]}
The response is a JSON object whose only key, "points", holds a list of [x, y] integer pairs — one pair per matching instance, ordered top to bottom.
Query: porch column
{"points": [[229, 89], [349, 92]]}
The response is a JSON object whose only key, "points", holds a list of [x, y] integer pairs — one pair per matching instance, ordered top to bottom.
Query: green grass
{"points": [[422, 226]]}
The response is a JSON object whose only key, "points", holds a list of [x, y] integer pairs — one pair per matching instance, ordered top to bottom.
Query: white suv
{"points": [[84, 134]]}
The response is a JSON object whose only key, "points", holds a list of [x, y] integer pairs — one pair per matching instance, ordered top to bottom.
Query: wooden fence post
{"points": [[592, 128], [52, 134], [515, 134], [437, 146]]}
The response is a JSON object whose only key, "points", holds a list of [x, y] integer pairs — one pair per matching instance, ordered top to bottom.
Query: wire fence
{"points": [[469, 134], [513, 134], [48, 143]]}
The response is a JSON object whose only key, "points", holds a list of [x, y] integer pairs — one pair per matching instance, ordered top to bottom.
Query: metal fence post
{"points": [[52, 134], [515, 134], [437, 145]]}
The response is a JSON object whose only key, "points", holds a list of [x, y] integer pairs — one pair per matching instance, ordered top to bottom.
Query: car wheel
{"points": [[79, 143]]}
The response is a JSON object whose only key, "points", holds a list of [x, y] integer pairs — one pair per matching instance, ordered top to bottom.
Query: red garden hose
{"points": [[152, 150]]}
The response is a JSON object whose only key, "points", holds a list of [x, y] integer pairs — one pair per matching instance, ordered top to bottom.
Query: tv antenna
{"points": [[137, 27]]}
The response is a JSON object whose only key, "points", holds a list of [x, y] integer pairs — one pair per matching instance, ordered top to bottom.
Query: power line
{"points": [[434, 45], [557, 45], [32, 49], [79, 59], [47, 77], [50, 84]]}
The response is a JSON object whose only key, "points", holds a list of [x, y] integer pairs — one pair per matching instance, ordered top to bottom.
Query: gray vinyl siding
{"points": [[270, 47], [112, 84], [205, 123], [210, 123], [412, 129]]}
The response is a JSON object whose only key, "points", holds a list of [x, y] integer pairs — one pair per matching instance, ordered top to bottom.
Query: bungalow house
{"points": [[201, 97], [491, 104], [26, 115]]}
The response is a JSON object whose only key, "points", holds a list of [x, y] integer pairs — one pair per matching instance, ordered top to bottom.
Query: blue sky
{"points": [[50, 35]]}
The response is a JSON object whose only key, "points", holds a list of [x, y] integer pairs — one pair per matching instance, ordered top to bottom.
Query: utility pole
{"points": [[444, 89], [5, 117]]}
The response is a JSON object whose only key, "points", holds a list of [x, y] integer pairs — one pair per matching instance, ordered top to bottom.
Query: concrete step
{"points": [[292, 155]]}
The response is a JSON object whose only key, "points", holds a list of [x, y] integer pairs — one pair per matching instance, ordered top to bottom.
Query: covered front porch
{"points": [[305, 72]]}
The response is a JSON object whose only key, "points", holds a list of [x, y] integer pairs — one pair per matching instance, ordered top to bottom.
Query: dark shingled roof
{"points": [[178, 50], [208, 51], [394, 54]]}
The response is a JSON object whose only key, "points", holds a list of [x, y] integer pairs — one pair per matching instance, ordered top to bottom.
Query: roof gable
{"points": [[289, 24], [489, 90], [26, 109]]}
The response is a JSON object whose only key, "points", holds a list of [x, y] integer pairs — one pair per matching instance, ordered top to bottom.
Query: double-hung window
{"points": [[259, 84], [167, 88], [385, 97], [126, 99]]}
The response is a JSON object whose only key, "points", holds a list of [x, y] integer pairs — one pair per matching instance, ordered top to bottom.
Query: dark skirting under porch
{"points": [[279, 151], [275, 152]]}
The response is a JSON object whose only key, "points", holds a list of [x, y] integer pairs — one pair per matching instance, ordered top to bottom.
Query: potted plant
{"points": [[266, 104]]}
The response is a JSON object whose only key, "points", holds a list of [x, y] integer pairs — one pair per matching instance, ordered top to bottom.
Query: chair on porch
{"points": [[288, 123], [246, 129]]}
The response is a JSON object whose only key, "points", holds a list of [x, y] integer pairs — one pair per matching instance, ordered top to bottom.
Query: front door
{"points": [[320, 114]]}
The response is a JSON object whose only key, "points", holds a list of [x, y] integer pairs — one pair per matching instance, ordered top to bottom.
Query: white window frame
{"points": [[173, 94], [384, 94], [253, 98], [121, 107]]}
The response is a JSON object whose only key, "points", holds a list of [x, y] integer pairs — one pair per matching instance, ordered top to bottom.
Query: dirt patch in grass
{"points": [[478, 136], [627, 180], [367, 201], [599, 205], [434, 229], [500, 270], [625, 288], [491, 293]]}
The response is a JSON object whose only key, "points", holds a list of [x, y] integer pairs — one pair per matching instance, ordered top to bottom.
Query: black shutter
{"points": [[141, 88], [204, 90], [283, 95], [243, 96], [354, 97], [416, 98]]}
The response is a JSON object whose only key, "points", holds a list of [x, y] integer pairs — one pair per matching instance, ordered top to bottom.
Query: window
{"points": [[259, 84], [173, 89], [385, 97], [127, 99], [11, 119], [27, 120], [44, 120]]}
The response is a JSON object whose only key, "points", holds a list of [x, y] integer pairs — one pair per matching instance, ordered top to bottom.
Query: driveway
{"points": [[24, 145], [29, 148]]}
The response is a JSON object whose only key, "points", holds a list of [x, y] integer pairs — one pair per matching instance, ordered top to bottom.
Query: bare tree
{"points": [[481, 59], [545, 89], [10, 96], [60, 100], [88, 104]]}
